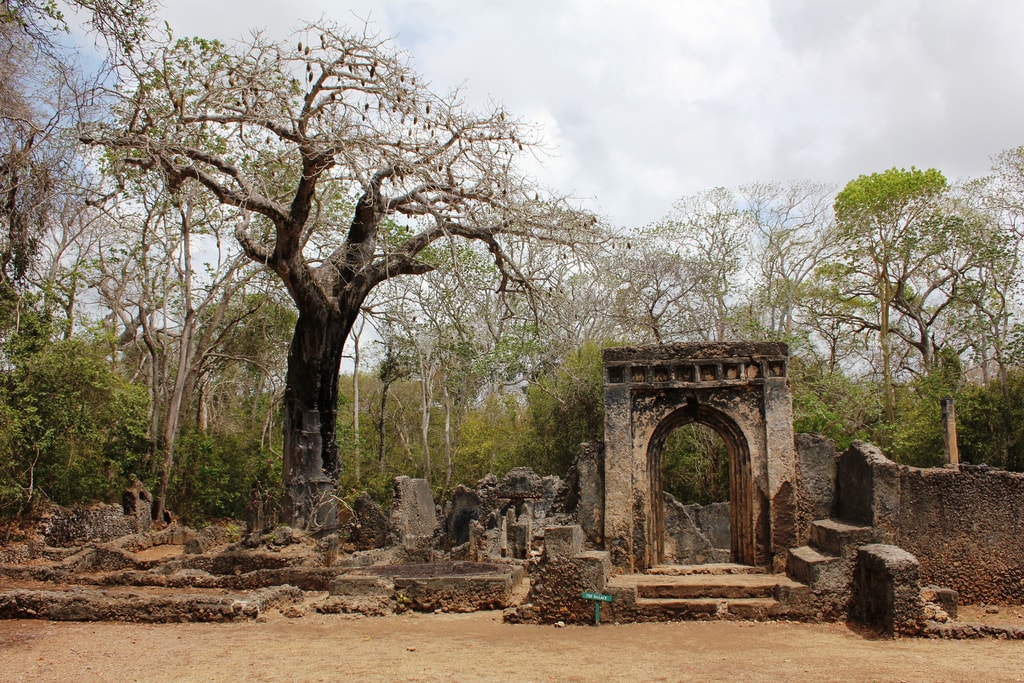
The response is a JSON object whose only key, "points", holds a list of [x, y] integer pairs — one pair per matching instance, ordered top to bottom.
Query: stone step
{"points": [[839, 538], [802, 563], [710, 569], [821, 572], [696, 586], [652, 597], [710, 608]]}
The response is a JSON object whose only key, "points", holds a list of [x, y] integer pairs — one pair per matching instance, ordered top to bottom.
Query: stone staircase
{"points": [[826, 564], [817, 584], [710, 591]]}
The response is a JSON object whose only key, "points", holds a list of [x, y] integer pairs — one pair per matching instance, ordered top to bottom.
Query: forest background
{"points": [[132, 325]]}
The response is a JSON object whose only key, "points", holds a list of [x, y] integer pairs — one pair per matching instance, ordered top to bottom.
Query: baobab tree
{"points": [[344, 169]]}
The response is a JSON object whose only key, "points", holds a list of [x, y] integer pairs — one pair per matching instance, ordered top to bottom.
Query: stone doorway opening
{"points": [[700, 459], [694, 497]]}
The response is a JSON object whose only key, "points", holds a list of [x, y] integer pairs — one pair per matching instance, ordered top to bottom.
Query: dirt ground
{"points": [[479, 647]]}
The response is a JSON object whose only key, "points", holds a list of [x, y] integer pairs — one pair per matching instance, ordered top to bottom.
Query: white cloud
{"points": [[648, 101]]}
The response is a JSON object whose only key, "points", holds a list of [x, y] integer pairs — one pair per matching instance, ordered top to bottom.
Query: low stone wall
{"points": [[964, 524], [66, 527], [695, 534], [559, 578], [887, 590], [83, 604]]}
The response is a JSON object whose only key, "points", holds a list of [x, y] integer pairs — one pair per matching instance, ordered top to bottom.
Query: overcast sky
{"points": [[644, 102]]}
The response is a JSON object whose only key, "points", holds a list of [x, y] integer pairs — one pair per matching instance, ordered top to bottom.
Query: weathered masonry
{"points": [[741, 390]]}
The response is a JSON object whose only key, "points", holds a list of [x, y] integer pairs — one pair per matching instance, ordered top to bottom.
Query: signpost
{"points": [[598, 598]]}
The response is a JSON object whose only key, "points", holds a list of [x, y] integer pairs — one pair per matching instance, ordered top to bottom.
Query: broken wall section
{"points": [[964, 524]]}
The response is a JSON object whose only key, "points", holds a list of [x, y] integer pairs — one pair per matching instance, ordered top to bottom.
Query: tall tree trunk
{"points": [[186, 352], [426, 396], [888, 399], [356, 403], [382, 422], [447, 437], [311, 464]]}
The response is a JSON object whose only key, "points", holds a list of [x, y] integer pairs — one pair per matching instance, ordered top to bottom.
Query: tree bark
{"points": [[356, 404], [447, 437], [311, 463]]}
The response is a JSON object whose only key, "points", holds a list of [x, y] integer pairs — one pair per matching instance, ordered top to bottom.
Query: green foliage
{"points": [[880, 201], [832, 403], [566, 408], [990, 423], [72, 429], [917, 435], [490, 438], [695, 465], [216, 472]]}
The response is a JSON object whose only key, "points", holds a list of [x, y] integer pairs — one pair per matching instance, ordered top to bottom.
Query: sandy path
{"points": [[479, 647]]}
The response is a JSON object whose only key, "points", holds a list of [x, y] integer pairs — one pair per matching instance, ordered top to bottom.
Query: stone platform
{"points": [[447, 586], [721, 591]]}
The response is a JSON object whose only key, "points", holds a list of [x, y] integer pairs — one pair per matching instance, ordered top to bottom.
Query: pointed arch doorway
{"points": [[741, 535]]}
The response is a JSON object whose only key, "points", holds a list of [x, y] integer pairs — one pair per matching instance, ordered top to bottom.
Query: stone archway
{"points": [[739, 389], [742, 535]]}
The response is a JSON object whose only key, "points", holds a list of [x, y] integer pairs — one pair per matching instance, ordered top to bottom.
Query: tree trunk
{"points": [[186, 351], [426, 397], [888, 399], [356, 405], [382, 422], [447, 437], [311, 464]]}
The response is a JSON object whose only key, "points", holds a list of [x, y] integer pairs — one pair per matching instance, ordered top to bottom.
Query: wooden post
{"points": [[949, 432]]}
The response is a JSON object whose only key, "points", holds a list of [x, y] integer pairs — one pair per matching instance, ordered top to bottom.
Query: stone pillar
{"points": [[949, 432], [780, 448], [618, 476], [137, 503], [590, 505], [413, 519], [563, 541], [887, 590]]}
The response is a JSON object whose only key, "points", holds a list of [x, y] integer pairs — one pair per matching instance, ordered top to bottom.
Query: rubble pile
{"points": [[110, 562]]}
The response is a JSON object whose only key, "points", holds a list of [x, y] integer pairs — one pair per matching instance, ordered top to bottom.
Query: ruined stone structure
{"points": [[741, 391], [963, 523], [808, 533]]}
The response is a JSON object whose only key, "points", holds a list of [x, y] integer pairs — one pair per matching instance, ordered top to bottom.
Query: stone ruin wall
{"points": [[816, 481], [964, 525]]}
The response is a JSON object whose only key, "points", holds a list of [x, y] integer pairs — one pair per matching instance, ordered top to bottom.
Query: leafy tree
{"points": [[44, 95], [282, 134], [793, 228], [710, 230], [892, 231], [651, 287], [178, 290], [988, 321], [827, 401], [566, 408], [990, 422], [75, 428], [917, 436], [491, 439], [695, 465]]}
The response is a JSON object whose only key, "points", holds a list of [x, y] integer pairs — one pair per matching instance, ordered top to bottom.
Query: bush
{"points": [[566, 408], [990, 423], [71, 430], [215, 475]]}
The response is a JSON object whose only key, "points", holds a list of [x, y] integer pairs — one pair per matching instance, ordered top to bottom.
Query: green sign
{"points": [[598, 598]]}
